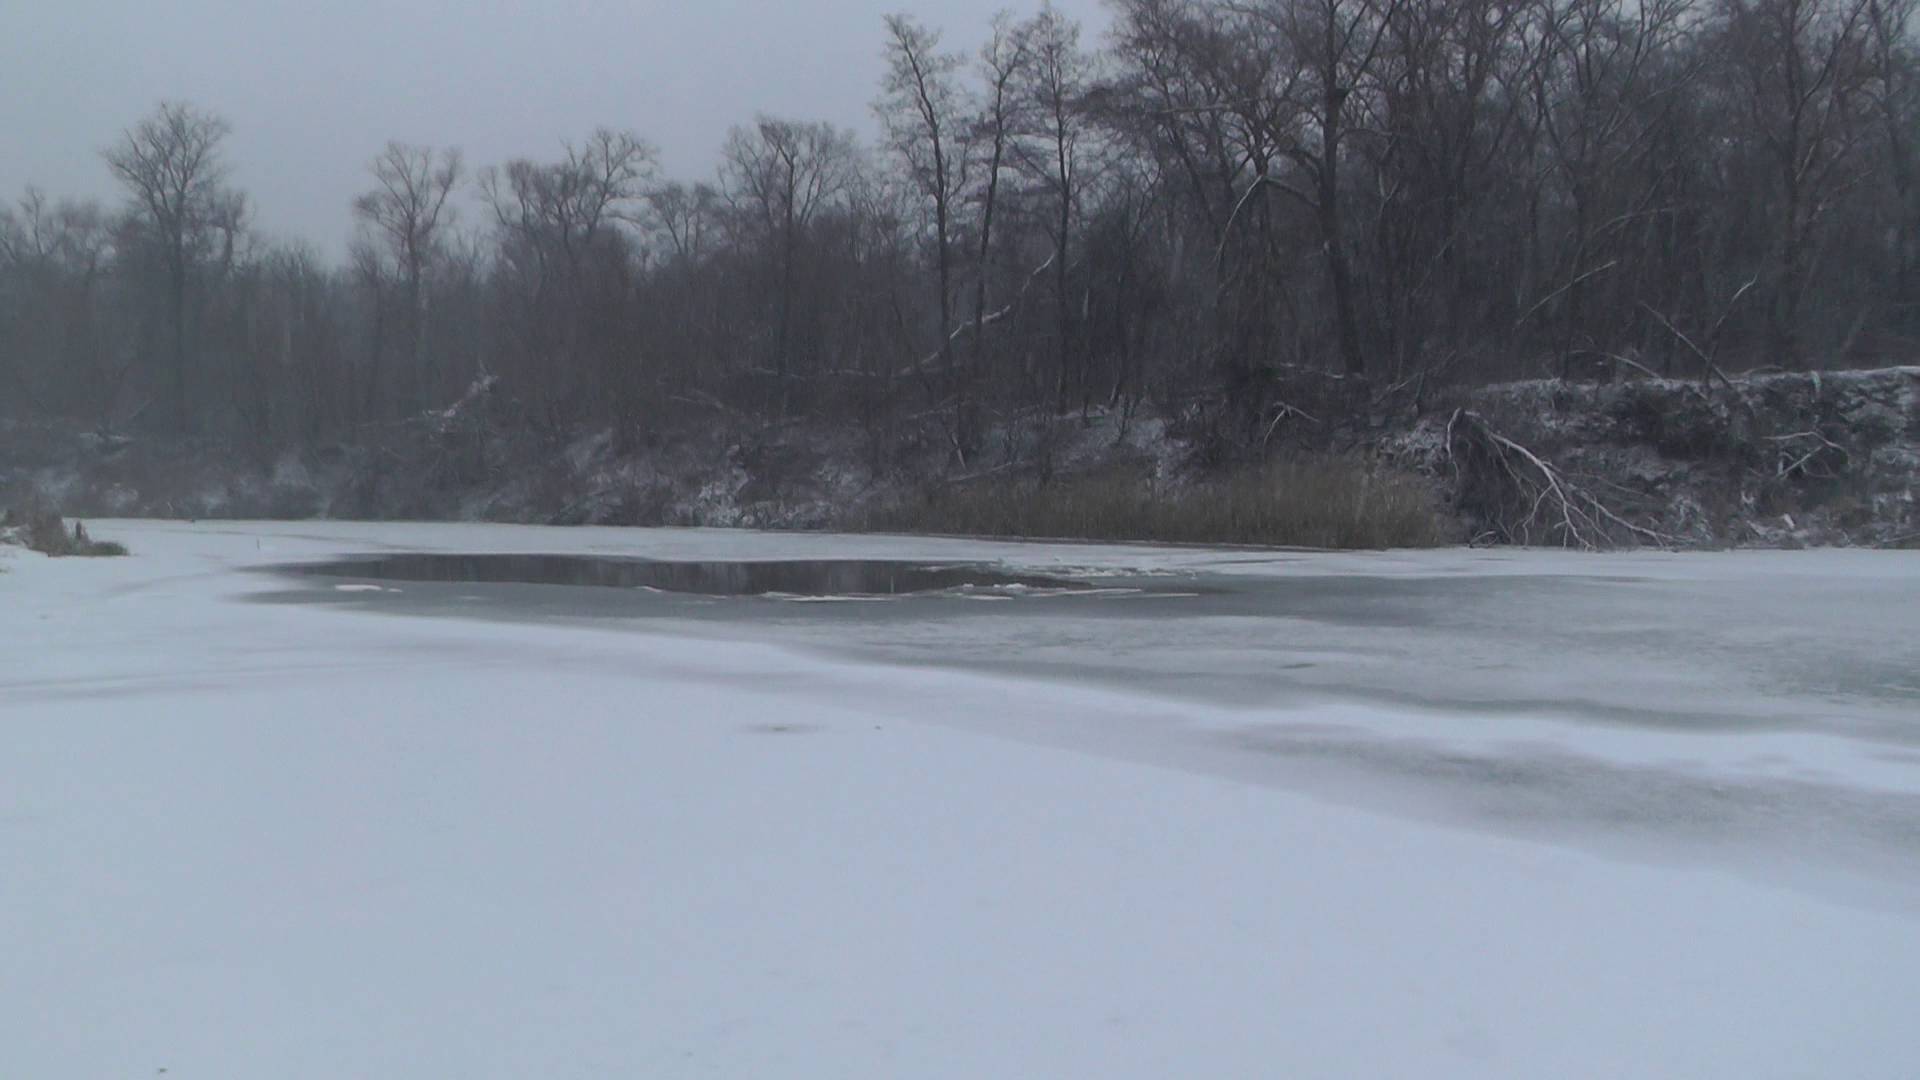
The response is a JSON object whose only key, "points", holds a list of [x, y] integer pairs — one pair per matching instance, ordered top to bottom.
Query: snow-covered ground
{"points": [[1442, 814]]}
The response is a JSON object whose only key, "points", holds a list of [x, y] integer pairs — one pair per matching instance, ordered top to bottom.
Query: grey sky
{"points": [[314, 89]]}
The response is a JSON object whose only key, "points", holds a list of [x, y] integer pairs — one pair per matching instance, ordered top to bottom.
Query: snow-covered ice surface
{"points": [[1473, 814]]}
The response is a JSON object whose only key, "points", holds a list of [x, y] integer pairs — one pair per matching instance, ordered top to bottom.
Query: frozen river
{"points": [[1593, 699], [1208, 812]]}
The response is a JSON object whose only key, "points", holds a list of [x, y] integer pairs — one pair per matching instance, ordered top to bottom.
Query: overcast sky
{"points": [[315, 88]]}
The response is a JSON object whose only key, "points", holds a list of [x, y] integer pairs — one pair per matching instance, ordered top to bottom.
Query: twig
{"points": [[1548, 299], [988, 319], [1634, 364], [1282, 413], [1782, 467]]}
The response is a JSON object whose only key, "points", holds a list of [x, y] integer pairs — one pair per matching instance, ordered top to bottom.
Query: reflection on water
{"points": [[805, 577]]}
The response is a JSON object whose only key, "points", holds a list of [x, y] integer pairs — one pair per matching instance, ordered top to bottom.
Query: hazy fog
{"points": [[313, 90]]}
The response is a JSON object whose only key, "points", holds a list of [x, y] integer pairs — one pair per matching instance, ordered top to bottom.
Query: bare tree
{"points": [[1335, 45], [1893, 63], [1001, 65], [1799, 66], [1053, 86], [1605, 88], [1209, 98], [919, 110], [171, 165], [779, 174], [562, 209], [406, 213], [686, 213], [568, 235], [60, 252]]}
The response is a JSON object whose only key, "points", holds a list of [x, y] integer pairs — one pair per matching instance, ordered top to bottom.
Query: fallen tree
{"points": [[1519, 498]]}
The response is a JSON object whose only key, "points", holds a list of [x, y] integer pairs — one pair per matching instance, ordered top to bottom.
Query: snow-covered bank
{"points": [[1777, 460], [1781, 460], [307, 841]]}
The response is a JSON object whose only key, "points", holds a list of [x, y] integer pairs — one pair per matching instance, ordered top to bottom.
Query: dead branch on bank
{"points": [[1792, 458], [1525, 499]]}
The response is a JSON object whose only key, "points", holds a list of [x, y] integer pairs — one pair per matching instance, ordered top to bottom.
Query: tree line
{"points": [[1220, 190]]}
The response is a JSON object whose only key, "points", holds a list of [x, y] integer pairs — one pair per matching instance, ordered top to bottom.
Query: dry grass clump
{"points": [[1330, 502], [43, 531]]}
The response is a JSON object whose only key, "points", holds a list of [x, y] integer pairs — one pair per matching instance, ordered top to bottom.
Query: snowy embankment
{"points": [[1775, 460], [1781, 460], [299, 841]]}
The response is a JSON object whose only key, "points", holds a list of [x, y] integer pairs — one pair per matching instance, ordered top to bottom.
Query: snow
{"points": [[347, 839]]}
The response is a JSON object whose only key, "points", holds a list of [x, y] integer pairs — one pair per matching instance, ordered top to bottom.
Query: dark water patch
{"points": [[822, 578], [780, 729]]}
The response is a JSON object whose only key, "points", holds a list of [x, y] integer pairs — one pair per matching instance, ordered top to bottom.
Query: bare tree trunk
{"points": [[986, 249], [1339, 274], [177, 304], [1063, 307]]}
